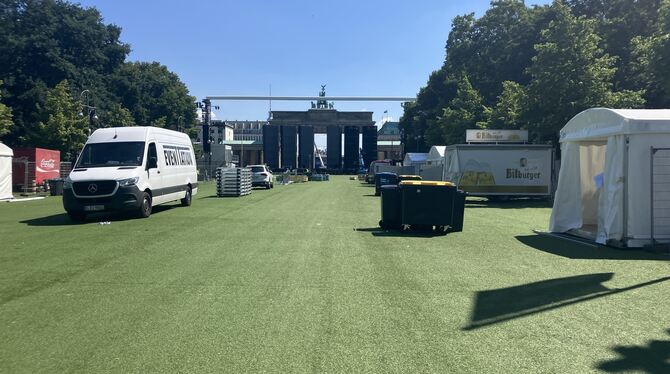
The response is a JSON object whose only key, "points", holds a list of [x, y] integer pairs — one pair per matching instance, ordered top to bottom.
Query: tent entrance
{"points": [[591, 179]]}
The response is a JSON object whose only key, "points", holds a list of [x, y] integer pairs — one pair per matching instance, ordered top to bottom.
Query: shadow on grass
{"points": [[254, 188], [371, 195], [223, 197], [510, 204], [63, 220], [377, 231], [575, 250], [504, 304], [654, 358]]}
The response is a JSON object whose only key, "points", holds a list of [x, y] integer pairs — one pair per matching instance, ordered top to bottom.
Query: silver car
{"points": [[261, 176]]}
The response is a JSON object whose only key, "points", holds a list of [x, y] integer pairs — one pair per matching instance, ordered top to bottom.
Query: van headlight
{"points": [[128, 182], [67, 183]]}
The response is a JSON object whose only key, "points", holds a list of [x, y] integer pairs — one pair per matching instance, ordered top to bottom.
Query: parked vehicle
{"points": [[374, 168], [131, 169], [261, 176]]}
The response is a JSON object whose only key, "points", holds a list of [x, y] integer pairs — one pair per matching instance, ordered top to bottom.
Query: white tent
{"points": [[6, 155], [436, 155], [412, 158], [604, 184]]}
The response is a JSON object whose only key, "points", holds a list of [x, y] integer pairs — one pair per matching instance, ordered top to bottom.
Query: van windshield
{"points": [[97, 155]]}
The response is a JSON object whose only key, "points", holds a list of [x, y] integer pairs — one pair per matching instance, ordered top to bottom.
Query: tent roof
{"points": [[599, 123], [6, 151], [436, 152], [416, 157]]}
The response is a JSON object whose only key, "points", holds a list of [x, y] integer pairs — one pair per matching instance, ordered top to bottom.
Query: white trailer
{"points": [[501, 170]]}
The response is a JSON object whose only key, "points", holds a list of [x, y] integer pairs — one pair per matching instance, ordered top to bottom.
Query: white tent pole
{"points": [[625, 189], [651, 194]]}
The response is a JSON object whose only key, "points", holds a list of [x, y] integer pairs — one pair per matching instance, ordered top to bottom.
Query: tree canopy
{"points": [[47, 44], [520, 67], [5, 117], [60, 126]]}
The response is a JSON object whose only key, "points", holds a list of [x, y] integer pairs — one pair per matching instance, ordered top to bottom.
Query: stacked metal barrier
{"points": [[233, 182]]}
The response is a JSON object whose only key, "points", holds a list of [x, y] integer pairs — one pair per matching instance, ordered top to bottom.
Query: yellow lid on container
{"points": [[427, 183]]}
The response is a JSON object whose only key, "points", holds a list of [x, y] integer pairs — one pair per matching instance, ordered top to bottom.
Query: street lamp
{"points": [[91, 109], [179, 119]]}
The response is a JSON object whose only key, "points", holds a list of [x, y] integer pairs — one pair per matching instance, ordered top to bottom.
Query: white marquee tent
{"points": [[6, 154], [436, 155], [412, 158], [604, 184]]}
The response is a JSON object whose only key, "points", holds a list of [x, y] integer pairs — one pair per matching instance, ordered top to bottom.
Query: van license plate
{"points": [[93, 208]]}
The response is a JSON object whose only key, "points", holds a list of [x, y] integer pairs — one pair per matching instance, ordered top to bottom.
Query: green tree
{"points": [[618, 22], [43, 42], [497, 47], [494, 48], [649, 65], [570, 73], [154, 95], [465, 111], [508, 113], [116, 116], [418, 116], [5, 117], [61, 127]]}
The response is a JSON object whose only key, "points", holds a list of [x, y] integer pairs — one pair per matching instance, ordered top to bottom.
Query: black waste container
{"points": [[409, 177], [383, 179], [56, 187], [391, 203], [427, 204], [457, 212]]}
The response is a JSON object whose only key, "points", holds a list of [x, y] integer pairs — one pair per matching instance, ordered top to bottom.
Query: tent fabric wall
{"points": [[592, 163], [451, 170], [5, 172], [638, 194], [610, 205], [567, 211]]}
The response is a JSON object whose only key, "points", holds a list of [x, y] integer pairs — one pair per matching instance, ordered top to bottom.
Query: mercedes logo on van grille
{"points": [[92, 188]]}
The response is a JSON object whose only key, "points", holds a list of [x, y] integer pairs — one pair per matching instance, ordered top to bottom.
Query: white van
{"points": [[131, 169]]}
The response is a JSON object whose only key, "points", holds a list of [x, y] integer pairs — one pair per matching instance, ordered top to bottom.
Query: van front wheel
{"points": [[186, 201], [145, 208]]}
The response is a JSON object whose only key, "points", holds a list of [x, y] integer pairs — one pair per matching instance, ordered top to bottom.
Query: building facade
{"points": [[389, 144]]}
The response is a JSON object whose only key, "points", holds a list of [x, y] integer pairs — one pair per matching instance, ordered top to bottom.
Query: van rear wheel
{"points": [[186, 201], [145, 208]]}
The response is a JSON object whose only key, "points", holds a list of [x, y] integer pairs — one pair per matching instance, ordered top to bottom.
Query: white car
{"points": [[261, 176]]}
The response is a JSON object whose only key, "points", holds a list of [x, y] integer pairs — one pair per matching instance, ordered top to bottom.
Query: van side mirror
{"points": [[152, 163]]}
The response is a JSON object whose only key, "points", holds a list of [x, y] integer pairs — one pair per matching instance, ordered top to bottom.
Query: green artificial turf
{"points": [[299, 279]]}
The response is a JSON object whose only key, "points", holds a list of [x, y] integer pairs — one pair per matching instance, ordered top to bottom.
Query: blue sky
{"points": [[356, 48]]}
